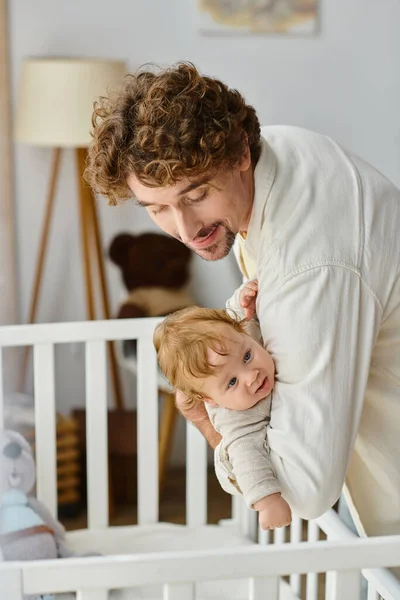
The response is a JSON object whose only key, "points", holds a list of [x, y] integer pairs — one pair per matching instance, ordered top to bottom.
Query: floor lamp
{"points": [[55, 105]]}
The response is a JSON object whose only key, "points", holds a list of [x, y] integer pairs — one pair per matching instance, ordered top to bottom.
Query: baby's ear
{"points": [[209, 401]]}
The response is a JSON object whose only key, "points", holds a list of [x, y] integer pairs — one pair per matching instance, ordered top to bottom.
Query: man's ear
{"points": [[245, 161]]}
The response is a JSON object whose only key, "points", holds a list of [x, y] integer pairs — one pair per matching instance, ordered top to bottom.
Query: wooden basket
{"points": [[68, 460]]}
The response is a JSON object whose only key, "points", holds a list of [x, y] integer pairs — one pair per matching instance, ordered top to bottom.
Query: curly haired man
{"points": [[319, 229]]}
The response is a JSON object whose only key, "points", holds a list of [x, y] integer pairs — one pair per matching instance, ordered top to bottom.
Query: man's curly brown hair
{"points": [[166, 125]]}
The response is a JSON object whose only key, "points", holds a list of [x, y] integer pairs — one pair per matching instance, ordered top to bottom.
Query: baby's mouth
{"points": [[263, 385]]}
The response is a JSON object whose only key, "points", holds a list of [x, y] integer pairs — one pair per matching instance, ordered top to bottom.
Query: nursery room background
{"points": [[339, 77]]}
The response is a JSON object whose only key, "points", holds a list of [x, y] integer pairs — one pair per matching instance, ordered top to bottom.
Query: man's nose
{"points": [[188, 226]]}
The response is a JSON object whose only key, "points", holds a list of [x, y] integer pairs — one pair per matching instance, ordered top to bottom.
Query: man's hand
{"points": [[248, 296], [197, 415], [274, 511]]}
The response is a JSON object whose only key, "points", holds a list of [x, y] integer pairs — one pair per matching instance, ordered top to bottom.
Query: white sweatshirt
{"points": [[325, 237]]}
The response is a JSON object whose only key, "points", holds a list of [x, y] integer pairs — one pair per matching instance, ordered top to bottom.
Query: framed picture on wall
{"points": [[257, 16]]}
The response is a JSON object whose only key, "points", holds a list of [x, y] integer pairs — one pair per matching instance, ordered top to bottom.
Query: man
{"points": [[319, 229]]}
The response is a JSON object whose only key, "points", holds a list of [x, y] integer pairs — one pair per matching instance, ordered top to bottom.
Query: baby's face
{"points": [[246, 374]]}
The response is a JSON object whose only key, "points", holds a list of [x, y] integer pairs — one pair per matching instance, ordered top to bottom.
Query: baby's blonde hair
{"points": [[182, 341]]}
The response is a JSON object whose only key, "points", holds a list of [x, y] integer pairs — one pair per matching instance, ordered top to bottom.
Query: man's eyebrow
{"points": [[195, 184], [192, 186]]}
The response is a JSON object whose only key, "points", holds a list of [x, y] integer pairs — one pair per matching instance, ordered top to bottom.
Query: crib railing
{"points": [[262, 566]]}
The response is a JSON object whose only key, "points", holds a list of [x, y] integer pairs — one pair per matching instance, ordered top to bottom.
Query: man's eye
{"points": [[199, 198], [159, 210], [247, 356], [232, 382]]}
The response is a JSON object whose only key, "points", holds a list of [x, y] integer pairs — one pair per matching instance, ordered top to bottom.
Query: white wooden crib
{"points": [[153, 560]]}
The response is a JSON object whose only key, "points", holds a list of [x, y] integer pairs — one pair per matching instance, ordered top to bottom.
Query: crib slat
{"points": [[1, 390], [45, 423], [147, 431], [96, 434], [196, 477], [236, 508], [249, 522], [280, 535], [295, 536], [264, 537], [312, 578], [11, 583], [343, 585], [263, 588], [179, 591], [372, 593], [92, 595]]}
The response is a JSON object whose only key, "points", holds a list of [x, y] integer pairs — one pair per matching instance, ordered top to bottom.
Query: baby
{"points": [[208, 355]]}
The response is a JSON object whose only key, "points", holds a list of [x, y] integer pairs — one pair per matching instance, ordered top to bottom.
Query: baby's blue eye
{"points": [[247, 356], [232, 382]]}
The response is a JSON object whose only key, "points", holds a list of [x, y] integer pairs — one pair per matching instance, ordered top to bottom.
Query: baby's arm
{"points": [[241, 304], [242, 462], [255, 476]]}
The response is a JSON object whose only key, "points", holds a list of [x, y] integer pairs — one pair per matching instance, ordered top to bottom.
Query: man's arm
{"points": [[320, 325], [199, 417]]}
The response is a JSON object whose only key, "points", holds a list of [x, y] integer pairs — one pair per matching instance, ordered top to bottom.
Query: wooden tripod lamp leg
{"points": [[89, 217], [85, 235], [42, 254]]}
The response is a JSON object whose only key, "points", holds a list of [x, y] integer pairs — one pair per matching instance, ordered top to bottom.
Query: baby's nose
{"points": [[252, 377], [12, 450]]}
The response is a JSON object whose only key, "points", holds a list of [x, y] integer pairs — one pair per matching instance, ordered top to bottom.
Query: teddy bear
{"points": [[155, 269], [28, 531]]}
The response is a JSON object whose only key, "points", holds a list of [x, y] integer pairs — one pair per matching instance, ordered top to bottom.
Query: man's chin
{"points": [[214, 252]]}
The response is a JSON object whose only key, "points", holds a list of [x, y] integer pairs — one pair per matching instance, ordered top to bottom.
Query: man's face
{"points": [[205, 213], [246, 372]]}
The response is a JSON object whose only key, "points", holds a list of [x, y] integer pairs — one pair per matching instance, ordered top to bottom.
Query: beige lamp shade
{"points": [[56, 96]]}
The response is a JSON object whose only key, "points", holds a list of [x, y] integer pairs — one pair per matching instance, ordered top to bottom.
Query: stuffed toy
{"points": [[155, 269], [27, 529]]}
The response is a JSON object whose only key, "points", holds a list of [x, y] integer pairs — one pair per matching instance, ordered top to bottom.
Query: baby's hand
{"points": [[248, 297], [274, 512]]}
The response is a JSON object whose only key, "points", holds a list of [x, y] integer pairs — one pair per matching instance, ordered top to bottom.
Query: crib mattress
{"points": [[159, 537], [166, 537]]}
